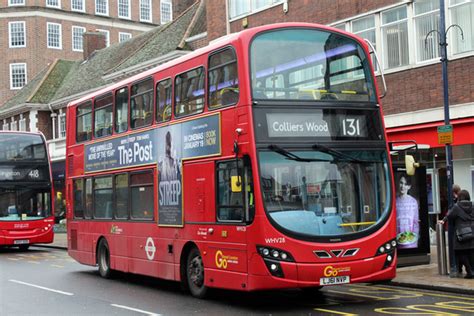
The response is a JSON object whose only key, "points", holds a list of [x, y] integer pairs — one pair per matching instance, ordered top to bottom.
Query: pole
{"points": [[449, 154]]}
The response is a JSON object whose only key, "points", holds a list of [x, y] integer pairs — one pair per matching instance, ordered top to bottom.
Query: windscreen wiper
{"points": [[337, 153], [290, 155]]}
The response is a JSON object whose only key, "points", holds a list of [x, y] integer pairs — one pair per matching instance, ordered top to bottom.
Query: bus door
{"points": [[234, 210]]}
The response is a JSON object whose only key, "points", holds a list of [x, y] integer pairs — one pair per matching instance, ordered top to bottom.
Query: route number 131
{"points": [[351, 127]]}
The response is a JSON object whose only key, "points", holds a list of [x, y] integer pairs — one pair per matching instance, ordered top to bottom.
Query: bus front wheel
{"points": [[103, 259], [195, 274]]}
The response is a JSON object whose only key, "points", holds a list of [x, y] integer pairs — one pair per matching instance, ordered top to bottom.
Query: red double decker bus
{"points": [[258, 162], [26, 210]]}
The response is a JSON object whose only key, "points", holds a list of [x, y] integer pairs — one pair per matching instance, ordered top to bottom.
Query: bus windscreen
{"points": [[303, 64], [22, 147]]}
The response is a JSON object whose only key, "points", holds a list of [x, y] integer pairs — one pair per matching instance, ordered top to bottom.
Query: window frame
{"points": [[101, 2], [17, 3], [164, 3], [83, 5], [56, 6], [129, 9], [251, 9], [150, 10], [416, 17], [73, 28], [59, 34], [120, 34], [10, 35], [454, 36], [383, 38], [222, 65], [11, 66], [177, 87], [139, 94], [100, 107], [127, 115], [79, 116], [158, 121], [62, 124], [239, 166], [74, 181], [132, 186], [115, 195], [94, 199]]}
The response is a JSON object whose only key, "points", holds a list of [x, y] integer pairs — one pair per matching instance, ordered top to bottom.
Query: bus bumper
{"points": [[26, 237], [300, 275]]}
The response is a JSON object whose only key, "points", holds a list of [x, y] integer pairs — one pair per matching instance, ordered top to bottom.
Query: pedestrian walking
{"points": [[462, 215]]}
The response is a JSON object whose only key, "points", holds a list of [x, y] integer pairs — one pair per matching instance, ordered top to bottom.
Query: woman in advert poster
{"points": [[408, 224]]}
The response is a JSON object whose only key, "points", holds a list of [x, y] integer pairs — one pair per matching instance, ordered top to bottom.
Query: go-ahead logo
{"points": [[222, 260], [331, 271]]}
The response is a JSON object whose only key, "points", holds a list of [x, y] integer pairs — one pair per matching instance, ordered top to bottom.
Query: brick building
{"points": [[36, 32], [409, 53], [40, 105]]}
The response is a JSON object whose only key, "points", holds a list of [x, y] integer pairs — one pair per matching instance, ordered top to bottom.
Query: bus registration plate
{"points": [[21, 241], [343, 279]]}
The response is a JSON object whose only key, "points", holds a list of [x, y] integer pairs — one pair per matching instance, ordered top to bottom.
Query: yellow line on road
{"points": [[57, 266], [334, 312]]}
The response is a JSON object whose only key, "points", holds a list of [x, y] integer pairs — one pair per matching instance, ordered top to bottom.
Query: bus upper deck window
{"points": [[223, 79], [189, 92], [163, 100], [141, 104], [121, 110], [103, 116], [84, 122]]}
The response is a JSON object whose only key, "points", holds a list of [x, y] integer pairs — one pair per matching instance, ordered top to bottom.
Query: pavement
{"points": [[424, 276]]}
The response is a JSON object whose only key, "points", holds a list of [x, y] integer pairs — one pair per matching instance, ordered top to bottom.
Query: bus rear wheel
{"points": [[103, 259], [195, 274]]}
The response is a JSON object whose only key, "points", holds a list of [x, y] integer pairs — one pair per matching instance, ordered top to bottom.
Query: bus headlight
{"points": [[387, 249], [274, 254]]}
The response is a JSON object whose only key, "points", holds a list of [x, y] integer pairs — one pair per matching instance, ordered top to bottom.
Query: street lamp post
{"points": [[449, 154]]}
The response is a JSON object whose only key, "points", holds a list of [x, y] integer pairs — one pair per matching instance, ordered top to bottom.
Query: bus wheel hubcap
{"points": [[196, 274]]}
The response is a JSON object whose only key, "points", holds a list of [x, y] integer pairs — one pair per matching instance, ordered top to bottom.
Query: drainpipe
{"points": [[53, 119]]}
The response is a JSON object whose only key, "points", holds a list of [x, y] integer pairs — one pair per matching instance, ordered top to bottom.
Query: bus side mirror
{"points": [[410, 165], [236, 184]]}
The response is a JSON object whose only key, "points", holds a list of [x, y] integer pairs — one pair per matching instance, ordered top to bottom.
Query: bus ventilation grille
{"points": [[73, 239], [323, 254]]}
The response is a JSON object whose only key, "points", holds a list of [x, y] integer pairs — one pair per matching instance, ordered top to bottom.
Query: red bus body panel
{"points": [[228, 251]]}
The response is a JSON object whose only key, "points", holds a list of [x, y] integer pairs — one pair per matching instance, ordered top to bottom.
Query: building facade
{"points": [[36, 32], [404, 33], [67, 74]]}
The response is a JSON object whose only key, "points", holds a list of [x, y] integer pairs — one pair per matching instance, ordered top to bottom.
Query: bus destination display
{"points": [[328, 124], [20, 173]]}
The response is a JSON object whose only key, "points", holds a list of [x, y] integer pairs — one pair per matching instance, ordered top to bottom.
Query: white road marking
{"points": [[41, 287], [135, 310]]}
